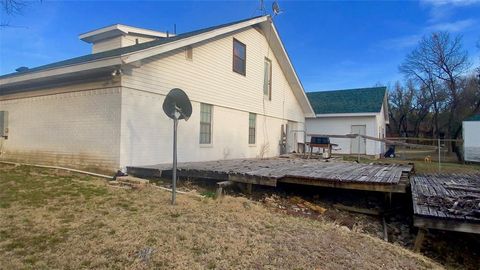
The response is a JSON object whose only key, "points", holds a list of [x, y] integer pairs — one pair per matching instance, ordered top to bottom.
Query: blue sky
{"points": [[332, 44]]}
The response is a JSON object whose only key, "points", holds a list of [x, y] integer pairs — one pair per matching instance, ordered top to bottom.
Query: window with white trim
{"points": [[267, 79], [206, 123], [252, 128]]}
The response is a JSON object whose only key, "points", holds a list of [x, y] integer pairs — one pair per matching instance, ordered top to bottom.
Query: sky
{"points": [[332, 44]]}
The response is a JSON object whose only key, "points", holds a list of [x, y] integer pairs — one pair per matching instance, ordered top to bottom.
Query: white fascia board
{"points": [[118, 30], [142, 31], [101, 33], [149, 52], [60, 71], [326, 115]]}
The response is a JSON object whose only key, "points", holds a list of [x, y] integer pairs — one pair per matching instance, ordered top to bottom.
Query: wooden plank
{"points": [[345, 185], [446, 224]]}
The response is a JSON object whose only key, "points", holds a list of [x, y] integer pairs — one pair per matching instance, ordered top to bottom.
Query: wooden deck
{"points": [[269, 172], [447, 202]]}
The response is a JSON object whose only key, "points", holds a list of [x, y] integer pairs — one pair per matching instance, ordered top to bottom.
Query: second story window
{"points": [[189, 53], [239, 57], [267, 79], [205, 123]]}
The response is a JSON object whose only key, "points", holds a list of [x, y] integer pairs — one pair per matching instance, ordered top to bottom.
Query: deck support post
{"points": [[220, 187], [249, 188], [419, 239]]}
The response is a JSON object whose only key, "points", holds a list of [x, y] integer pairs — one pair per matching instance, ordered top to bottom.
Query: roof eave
{"points": [[45, 74]]}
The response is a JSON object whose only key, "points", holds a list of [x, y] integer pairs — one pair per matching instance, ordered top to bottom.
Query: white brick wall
{"points": [[76, 129]]}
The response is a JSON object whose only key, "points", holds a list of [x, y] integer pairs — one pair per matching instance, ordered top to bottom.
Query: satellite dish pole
{"points": [[177, 106]]}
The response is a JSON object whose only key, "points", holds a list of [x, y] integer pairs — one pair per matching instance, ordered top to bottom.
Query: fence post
{"points": [[358, 149], [439, 156]]}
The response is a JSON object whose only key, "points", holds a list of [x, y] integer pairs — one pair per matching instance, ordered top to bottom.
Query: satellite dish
{"points": [[276, 8], [177, 105]]}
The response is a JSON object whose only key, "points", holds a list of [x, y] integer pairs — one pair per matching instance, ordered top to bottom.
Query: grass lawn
{"points": [[423, 167], [54, 219]]}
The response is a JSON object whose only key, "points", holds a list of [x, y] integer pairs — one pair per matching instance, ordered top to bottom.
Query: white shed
{"points": [[352, 111], [471, 143]]}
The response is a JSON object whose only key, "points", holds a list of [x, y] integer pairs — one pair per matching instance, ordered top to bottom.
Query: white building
{"points": [[105, 109], [353, 111], [471, 142]]}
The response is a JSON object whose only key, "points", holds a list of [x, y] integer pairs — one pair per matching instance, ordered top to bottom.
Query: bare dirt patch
{"points": [[70, 221]]}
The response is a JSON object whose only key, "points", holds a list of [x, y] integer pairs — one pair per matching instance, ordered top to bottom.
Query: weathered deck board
{"points": [[377, 177], [447, 201]]}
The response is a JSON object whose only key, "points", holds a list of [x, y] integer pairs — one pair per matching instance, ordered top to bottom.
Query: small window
{"points": [[136, 41], [189, 53], [239, 57], [267, 79], [205, 123], [4, 124], [252, 124]]}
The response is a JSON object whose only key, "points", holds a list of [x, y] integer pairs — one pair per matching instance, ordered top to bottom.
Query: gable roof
{"points": [[120, 51], [131, 55], [359, 100], [475, 117]]}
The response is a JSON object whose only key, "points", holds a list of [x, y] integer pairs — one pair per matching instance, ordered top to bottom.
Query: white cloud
{"points": [[438, 3], [442, 9], [452, 26], [408, 41], [401, 42]]}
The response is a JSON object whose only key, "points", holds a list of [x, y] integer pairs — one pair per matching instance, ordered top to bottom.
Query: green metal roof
{"points": [[123, 50], [360, 100], [475, 117]]}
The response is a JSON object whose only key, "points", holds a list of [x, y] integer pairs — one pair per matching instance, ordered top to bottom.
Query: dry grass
{"points": [[424, 167], [52, 219]]}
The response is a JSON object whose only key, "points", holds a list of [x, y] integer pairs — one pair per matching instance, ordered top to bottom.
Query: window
{"points": [[189, 53], [239, 57], [267, 79], [205, 123], [4, 124], [252, 124]]}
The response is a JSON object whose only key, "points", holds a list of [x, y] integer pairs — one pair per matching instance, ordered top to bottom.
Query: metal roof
{"points": [[359, 100], [475, 117]]}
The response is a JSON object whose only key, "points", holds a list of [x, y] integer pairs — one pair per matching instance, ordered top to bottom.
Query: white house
{"points": [[105, 109], [353, 111], [471, 143]]}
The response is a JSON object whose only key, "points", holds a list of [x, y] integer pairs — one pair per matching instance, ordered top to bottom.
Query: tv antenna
{"points": [[262, 7], [276, 8], [177, 106]]}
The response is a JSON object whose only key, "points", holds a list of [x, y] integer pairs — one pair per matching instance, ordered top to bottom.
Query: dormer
{"points": [[119, 35]]}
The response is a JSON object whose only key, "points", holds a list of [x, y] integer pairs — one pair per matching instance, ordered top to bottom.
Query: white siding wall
{"points": [[117, 42], [107, 44], [209, 77], [342, 126], [74, 129], [471, 130], [381, 131], [147, 133]]}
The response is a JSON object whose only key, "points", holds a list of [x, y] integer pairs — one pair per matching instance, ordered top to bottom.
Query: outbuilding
{"points": [[352, 111], [471, 143]]}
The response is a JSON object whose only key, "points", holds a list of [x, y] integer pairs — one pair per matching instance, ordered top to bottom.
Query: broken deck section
{"points": [[269, 172], [447, 202]]}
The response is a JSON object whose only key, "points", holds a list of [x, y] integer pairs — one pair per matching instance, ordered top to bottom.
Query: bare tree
{"points": [[11, 7], [418, 67]]}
